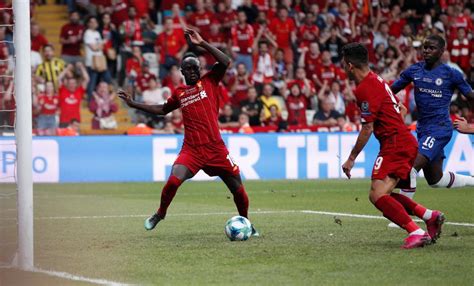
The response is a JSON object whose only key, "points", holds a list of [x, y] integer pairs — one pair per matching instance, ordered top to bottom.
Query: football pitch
{"points": [[319, 232]]}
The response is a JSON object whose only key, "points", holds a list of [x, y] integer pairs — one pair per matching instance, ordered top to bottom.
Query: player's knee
{"points": [[174, 181], [435, 182], [374, 196]]}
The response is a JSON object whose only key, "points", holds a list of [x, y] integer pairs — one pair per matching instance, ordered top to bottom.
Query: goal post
{"points": [[23, 132]]}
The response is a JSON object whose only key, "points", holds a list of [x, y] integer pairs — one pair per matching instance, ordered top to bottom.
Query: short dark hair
{"points": [[440, 40], [356, 54], [189, 55]]}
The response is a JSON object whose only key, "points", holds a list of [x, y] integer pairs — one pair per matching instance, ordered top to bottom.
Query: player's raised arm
{"points": [[197, 40], [404, 80], [159, 109], [362, 139]]}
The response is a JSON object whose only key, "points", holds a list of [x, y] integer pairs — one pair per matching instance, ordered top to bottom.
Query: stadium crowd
{"points": [[285, 75]]}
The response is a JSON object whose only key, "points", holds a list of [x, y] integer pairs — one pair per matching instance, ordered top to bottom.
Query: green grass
{"points": [[190, 247]]}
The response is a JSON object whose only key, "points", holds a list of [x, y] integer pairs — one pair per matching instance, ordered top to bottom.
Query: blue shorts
{"points": [[431, 144]]}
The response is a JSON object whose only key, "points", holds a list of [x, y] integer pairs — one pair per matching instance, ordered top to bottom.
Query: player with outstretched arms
{"points": [[434, 83], [380, 112], [203, 147]]}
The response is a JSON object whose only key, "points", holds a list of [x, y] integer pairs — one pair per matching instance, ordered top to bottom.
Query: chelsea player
{"points": [[434, 85]]}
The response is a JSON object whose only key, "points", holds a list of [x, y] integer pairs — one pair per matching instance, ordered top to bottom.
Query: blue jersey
{"points": [[433, 91]]}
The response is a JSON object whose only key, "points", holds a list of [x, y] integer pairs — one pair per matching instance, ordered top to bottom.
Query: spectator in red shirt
{"points": [[119, 11], [226, 16], [201, 19], [396, 22], [284, 29], [131, 30], [308, 32], [71, 39], [38, 41], [242, 41], [170, 45], [460, 48], [310, 59], [133, 67], [327, 71], [143, 78], [174, 79], [239, 85], [71, 95], [48, 103], [296, 104], [274, 120]]}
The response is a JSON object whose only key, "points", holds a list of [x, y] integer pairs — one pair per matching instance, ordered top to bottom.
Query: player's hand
{"points": [[193, 36], [125, 96], [461, 125], [347, 167]]}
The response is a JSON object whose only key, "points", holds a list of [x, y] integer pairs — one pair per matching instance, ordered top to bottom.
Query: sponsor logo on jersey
{"points": [[434, 92]]}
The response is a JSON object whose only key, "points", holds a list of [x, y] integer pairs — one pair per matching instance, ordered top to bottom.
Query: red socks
{"points": [[167, 195], [241, 201], [411, 206], [395, 212]]}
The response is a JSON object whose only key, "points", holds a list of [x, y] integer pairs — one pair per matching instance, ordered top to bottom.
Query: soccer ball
{"points": [[238, 228]]}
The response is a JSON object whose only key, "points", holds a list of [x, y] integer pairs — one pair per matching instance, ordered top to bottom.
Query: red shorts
{"points": [[213, 158], [396, 158]]}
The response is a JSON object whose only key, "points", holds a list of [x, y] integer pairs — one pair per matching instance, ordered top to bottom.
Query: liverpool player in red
{"points": [[203, 148], [398, 149]]}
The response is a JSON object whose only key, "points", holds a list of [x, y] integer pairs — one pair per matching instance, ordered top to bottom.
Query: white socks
{"points": [[451, 180], [409, 193], [427, 215], [417, 232]]}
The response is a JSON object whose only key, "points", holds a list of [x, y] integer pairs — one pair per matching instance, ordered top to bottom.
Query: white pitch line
{"points": [[231, 213], [143, 215], [377, 217], [69, 276]]}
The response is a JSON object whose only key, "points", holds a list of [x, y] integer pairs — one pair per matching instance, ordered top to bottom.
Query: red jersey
{"points": [[120, 12], [226, 17], [203, 22], [396, 27], [70, 30], [282, 30], [307, 34], [242, 39], [38, 42], [170, 44], [460, 53], [311, 63], [133, 64], [330, 73], [143, 79], [241, 89], [70, 104], [199, 104], [48, 105], [378, 105], [296, 106]]}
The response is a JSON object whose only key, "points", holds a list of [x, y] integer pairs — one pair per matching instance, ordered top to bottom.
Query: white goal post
{"points": [[23, 132]]}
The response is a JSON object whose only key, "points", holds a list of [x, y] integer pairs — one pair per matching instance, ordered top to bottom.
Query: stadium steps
{"points": [[51, 18]]}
